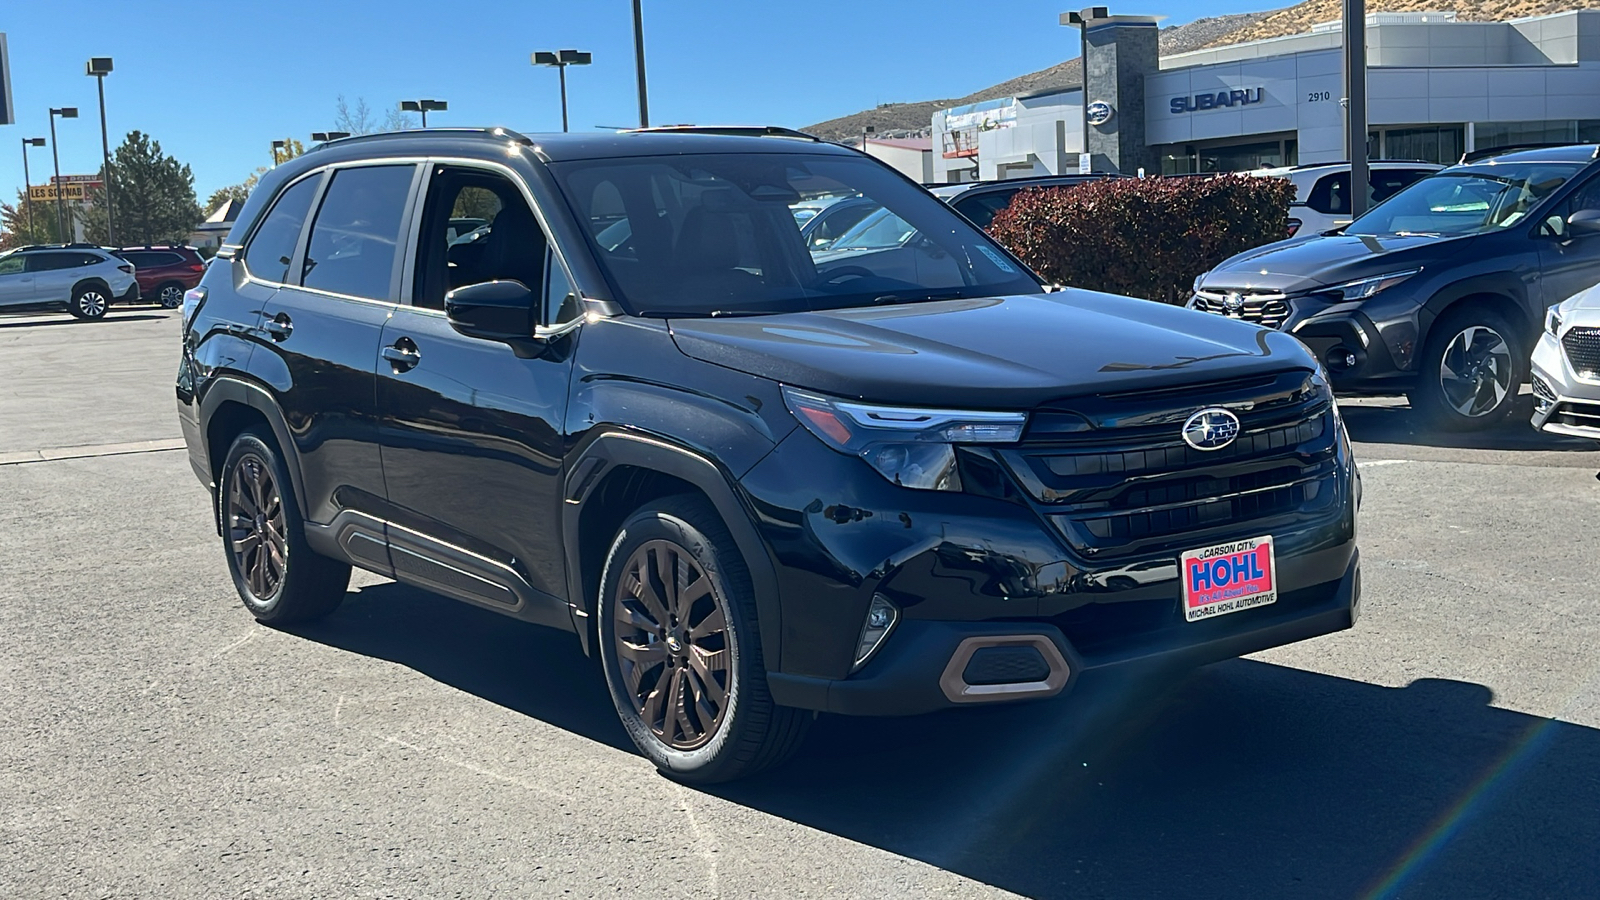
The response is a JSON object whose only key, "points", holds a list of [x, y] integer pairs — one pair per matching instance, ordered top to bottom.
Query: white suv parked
{"points": [[1322, 191], [81, 277], [1566, 368]]}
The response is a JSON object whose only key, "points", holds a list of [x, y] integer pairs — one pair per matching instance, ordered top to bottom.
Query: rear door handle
{"points": [[279, 326], [403, 354]]}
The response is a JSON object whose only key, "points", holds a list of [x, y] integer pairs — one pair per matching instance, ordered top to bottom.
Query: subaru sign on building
{"points": [[1437, 87]]}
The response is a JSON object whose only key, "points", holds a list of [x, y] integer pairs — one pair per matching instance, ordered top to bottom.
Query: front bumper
{"points": [[1361, 355], [1564, 403], [911, 673]]}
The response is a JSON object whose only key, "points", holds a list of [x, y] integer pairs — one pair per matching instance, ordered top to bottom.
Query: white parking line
{"points": [[89, 451], [1367, 464]]}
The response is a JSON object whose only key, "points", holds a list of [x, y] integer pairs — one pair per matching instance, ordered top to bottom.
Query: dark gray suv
{"points": [[1438, 292]]}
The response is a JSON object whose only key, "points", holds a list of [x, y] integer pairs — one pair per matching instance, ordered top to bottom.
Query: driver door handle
{"points": [[279, 326], [403, 354]]}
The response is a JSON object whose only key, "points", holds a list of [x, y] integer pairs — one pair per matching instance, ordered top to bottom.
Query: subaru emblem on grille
{"points": [[1233, 301], [1211, 429]]}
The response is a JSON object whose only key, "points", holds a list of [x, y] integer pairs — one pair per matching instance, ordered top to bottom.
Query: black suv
{"points": [[1440, 291], [754, 484]]}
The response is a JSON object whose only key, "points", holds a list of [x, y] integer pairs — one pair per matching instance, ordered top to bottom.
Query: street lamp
{"points": [[561, 59], [638, 63], [98, 67], [423, 106], [66, 112], [323, 137], [276, 146], [28, 197]]}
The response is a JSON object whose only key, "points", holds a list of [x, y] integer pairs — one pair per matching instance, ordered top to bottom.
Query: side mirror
{"points": [[1584, 221], [494, 310]]}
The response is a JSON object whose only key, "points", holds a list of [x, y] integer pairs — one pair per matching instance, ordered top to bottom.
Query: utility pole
{"points": [[638, 56], [99, 67], [1355, 92], [66, 112], [27, 180]]}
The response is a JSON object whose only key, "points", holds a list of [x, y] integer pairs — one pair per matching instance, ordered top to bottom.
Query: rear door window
{"points": [[982, 208], [356, 235], [271, 248], [45, 262]]}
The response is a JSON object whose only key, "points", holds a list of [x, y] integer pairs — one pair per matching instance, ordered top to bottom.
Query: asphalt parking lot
{"points": [[154, 742]]}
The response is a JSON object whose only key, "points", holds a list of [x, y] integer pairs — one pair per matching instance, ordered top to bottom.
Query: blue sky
{"points": [[216, 83]]}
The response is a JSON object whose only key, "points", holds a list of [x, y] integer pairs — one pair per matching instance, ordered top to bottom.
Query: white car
{"points": [[1322, 191], [83, 278], [1566, 368]]}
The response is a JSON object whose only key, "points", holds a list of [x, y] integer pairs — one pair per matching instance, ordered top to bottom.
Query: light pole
{"points": [[560, 60], [638, 62], [99, 67], [1355, 92], [423, 106], [66, 112], [323, 137], [276, 146], [28, 197]]}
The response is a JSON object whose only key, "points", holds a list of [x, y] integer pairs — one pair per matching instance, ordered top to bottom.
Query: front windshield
{"points": [[1465, 202], [710, 234]]}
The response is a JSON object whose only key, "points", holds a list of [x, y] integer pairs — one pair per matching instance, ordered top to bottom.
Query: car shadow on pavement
{"points": [[68, 320], [1397, 423], [532, 670], [1243, 779]]}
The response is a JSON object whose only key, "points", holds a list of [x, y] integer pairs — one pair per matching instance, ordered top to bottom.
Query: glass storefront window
{"points": [[1510, 134], [1441, 144]]}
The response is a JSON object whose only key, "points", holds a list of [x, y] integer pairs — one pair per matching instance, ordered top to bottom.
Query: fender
{"points": [[1501, 284], [226, 388], [616, 448]]}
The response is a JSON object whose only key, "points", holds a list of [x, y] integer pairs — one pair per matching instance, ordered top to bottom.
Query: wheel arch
{"points": [[92, 281], [1504, 294], [231, 405], [618, 472]]}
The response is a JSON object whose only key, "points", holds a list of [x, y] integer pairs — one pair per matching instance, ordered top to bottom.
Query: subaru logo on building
{"points": [[1098, 113], [1233, 301], [1211, 429]]}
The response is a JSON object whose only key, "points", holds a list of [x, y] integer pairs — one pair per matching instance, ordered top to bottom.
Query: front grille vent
{"points": [[1270, 310], [1583, 351]]}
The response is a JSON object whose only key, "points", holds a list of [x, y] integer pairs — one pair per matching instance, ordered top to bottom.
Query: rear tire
{"points": [[169, 295], [89, 303], [1471, 370], [280, 579], [681, 648]]}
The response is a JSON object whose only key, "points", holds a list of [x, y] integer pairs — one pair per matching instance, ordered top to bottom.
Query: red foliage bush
{"points": [[1143, 237]]}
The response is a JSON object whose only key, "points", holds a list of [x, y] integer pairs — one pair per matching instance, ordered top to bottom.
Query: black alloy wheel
{"points": [[1471, 370], [1475, 371], [256, 530], [281, 580], [677, 634], [673, 646]]}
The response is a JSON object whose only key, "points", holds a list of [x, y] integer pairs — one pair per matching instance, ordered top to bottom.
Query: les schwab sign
{"points": [[1217, 101]]}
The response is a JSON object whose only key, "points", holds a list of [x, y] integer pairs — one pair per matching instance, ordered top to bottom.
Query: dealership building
{"points": [[1436, 88]]}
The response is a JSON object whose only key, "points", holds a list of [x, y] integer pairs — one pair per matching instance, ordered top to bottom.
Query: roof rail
{"points": [[732, 130], [496, 132], [79, 245]]}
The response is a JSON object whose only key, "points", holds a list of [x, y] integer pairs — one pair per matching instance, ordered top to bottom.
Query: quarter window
{"points": [[357, 232], [272, 248]]}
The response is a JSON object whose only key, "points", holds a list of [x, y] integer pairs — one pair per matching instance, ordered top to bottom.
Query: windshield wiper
{"points": [[916, 298]]}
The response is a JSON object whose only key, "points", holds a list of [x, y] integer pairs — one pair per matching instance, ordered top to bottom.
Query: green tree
{"points": [[154, 195], [15, 231]]}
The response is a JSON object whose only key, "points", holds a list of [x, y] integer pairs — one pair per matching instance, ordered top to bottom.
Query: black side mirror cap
{"points": [[1584, 221], [494, 311]]}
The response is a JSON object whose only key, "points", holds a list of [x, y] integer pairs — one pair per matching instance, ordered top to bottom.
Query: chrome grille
{"points": [[1270, 310], [1583, 350]]}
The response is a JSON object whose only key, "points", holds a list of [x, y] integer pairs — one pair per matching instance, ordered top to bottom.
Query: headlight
{"points": [[1366, 287], [1552, 320], [911, 447]]}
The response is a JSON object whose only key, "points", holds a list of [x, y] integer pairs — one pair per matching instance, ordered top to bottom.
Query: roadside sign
{"points": [[8, 113], [74, 179], [49, 191]]}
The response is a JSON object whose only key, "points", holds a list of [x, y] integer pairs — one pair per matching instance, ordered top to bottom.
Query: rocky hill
{"points": [[1299, 18]]}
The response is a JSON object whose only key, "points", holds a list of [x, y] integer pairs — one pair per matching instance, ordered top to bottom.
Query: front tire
{"points": [[89, 303], [1472, 369], [280, 579], [681, 648]]}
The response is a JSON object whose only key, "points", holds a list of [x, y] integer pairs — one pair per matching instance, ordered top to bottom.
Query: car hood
{"points": [[1329, 259], [1584, 306], [990, 353]]}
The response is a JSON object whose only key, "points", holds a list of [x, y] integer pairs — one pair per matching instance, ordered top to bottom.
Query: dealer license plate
{"points": [[1228, 578]]}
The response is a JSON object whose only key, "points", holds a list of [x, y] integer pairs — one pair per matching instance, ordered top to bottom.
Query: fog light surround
{"points": [[882, 616]]}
